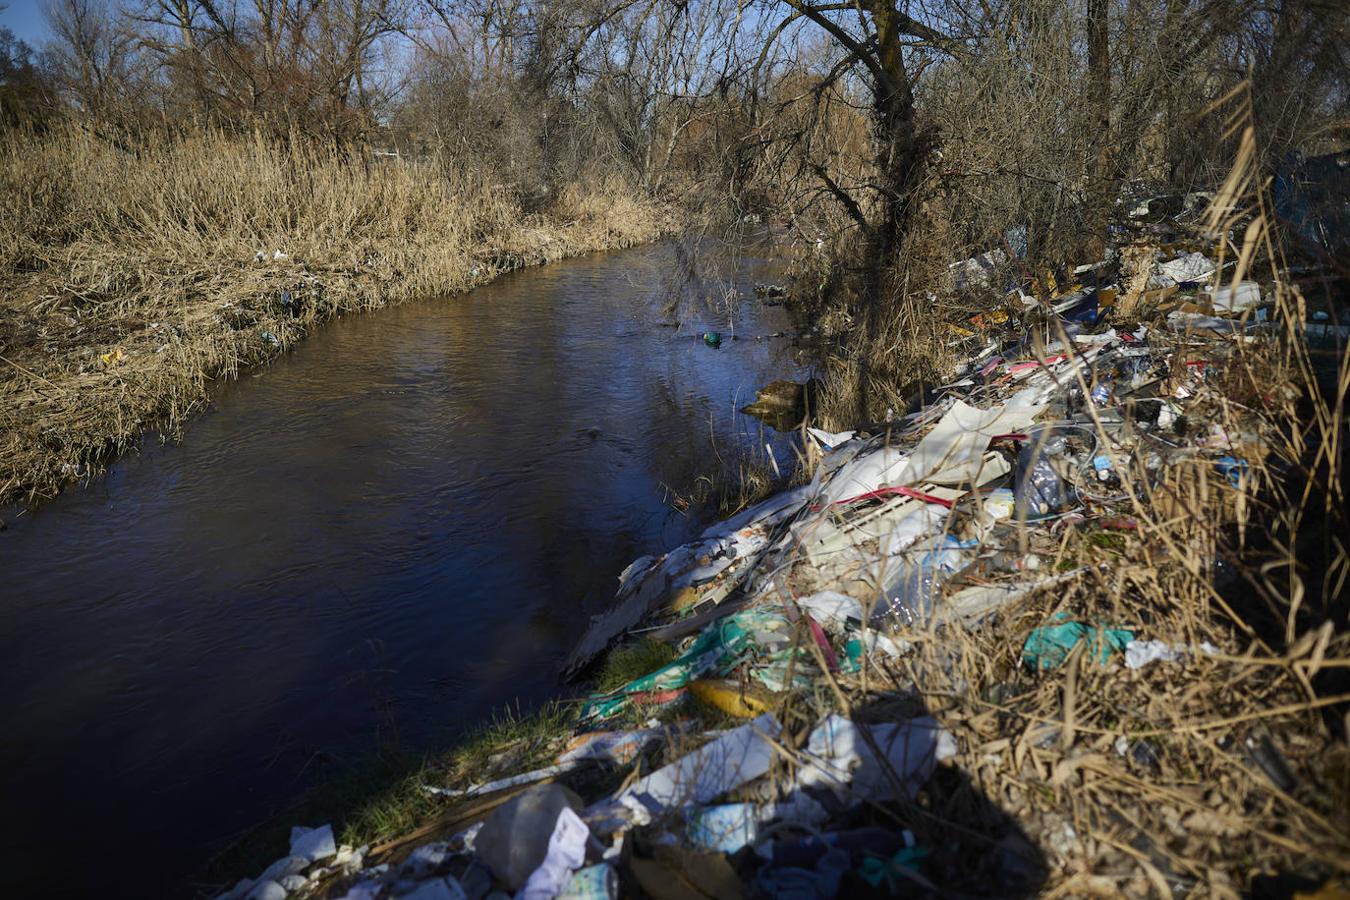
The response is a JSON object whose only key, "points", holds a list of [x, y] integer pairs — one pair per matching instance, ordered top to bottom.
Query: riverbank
{"points": [[131, 277], [1055, 631]]}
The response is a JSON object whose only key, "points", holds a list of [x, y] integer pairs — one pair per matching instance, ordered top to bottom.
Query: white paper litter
{"points": [[1191, 267], [1247, 295], [830, 439], [832, 606], [1142, 653], [313, 844], [566, 854]]}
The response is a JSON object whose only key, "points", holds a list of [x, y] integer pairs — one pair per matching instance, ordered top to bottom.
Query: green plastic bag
{"points": [[1048, 646], [718, 649]]}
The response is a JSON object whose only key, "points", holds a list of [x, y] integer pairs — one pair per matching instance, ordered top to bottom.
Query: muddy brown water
{"points": [[391, 532]]}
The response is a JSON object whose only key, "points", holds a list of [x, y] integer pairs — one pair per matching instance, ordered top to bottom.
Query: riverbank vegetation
{"points": [[158, 230], [133, 275]]}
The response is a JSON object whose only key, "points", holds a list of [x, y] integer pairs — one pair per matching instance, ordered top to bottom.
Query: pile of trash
{"points": [[944, 674]]}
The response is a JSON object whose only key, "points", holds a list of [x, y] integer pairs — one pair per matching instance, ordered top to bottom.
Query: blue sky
{"points": [[24, 18]]}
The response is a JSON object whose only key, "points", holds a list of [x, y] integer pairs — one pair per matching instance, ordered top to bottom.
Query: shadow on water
{"points": [[389, 533]]}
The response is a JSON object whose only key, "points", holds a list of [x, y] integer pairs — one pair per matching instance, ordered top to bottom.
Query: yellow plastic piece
{"points": [[728, 697]]}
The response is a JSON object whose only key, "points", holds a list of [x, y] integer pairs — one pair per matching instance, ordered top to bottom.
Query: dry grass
{"points": [[128, 277]]}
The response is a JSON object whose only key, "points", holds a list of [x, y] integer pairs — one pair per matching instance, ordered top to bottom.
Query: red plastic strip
{"points": [[895, 492], [819, 634]]}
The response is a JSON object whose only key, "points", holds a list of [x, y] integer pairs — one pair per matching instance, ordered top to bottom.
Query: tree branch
{"points": [[847, 42], [845, 199]]}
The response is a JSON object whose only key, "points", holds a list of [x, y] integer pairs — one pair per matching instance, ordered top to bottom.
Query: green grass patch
{"points": [[1106, 540], [629, 661], [513, 742], [382, 811]]}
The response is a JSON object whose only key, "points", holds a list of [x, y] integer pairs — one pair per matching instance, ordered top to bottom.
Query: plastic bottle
{"points": [[1101, 394], [1038, 488], [914, 579]]}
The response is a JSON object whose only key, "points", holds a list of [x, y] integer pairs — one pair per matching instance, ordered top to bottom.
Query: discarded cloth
{"points": [[1048, 646]]}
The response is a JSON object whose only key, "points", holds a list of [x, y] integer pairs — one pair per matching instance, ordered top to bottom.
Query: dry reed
{"points": [[130, 277]]}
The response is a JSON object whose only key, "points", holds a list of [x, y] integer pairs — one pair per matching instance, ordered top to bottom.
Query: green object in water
{"points": [[712, 338], [1048, 646]]}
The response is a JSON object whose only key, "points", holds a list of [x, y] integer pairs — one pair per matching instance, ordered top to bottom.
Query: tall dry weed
{"points": [[135, 273]]}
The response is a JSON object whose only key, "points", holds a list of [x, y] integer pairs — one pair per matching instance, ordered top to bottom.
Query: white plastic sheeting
{"points": [[954, 451], [738, 756], [839, 757]]}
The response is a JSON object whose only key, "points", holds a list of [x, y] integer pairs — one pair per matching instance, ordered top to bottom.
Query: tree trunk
{"points": [[1099, 102], [898, 155]]}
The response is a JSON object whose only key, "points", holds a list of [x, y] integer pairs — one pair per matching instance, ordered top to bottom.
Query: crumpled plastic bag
{"points": [[1191, 267], [1048, 646], [839, 757]]}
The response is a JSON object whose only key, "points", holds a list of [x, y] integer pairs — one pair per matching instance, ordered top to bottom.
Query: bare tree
{"points": [[89, 54], [293, 64], [25, 99]]}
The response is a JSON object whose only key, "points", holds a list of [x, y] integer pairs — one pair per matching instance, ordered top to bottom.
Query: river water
{"points": [[394, 530]]}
